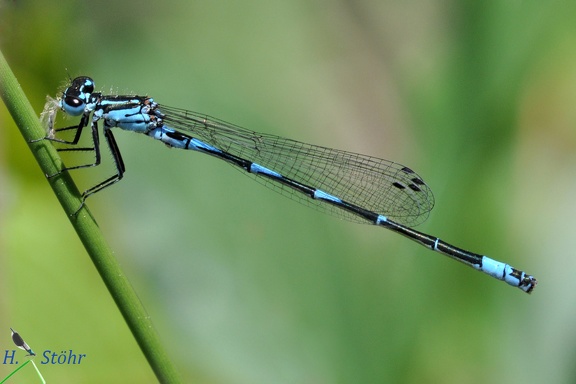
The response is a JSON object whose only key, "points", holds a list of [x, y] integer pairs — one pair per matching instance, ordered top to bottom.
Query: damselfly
{"points": [[356, 187], [20, 343]]}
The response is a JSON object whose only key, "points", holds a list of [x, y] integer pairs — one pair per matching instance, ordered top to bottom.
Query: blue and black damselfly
{"points": [[355, 187]]}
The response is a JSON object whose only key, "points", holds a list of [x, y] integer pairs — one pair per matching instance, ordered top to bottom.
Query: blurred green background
{"points": [[245, 286]]}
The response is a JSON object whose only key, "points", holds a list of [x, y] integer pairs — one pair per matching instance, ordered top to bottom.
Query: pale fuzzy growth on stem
{"points": [[48, 115]]}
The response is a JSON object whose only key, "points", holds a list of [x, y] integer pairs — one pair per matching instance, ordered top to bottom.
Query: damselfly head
{"points": [[77, 95]]}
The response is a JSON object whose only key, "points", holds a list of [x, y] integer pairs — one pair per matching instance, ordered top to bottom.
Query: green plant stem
{"points": [[67, 193], [14, 371]]}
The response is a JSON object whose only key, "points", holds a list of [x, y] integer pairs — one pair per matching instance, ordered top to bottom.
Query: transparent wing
{"points": [[378, 185]]}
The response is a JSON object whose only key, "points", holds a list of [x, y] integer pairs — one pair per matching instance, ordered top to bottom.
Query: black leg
{"points": [[83, 123], [95, 148], [118, 162]]}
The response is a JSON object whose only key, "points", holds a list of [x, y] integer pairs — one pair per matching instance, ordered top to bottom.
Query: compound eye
{"points": [[73, 106]]}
